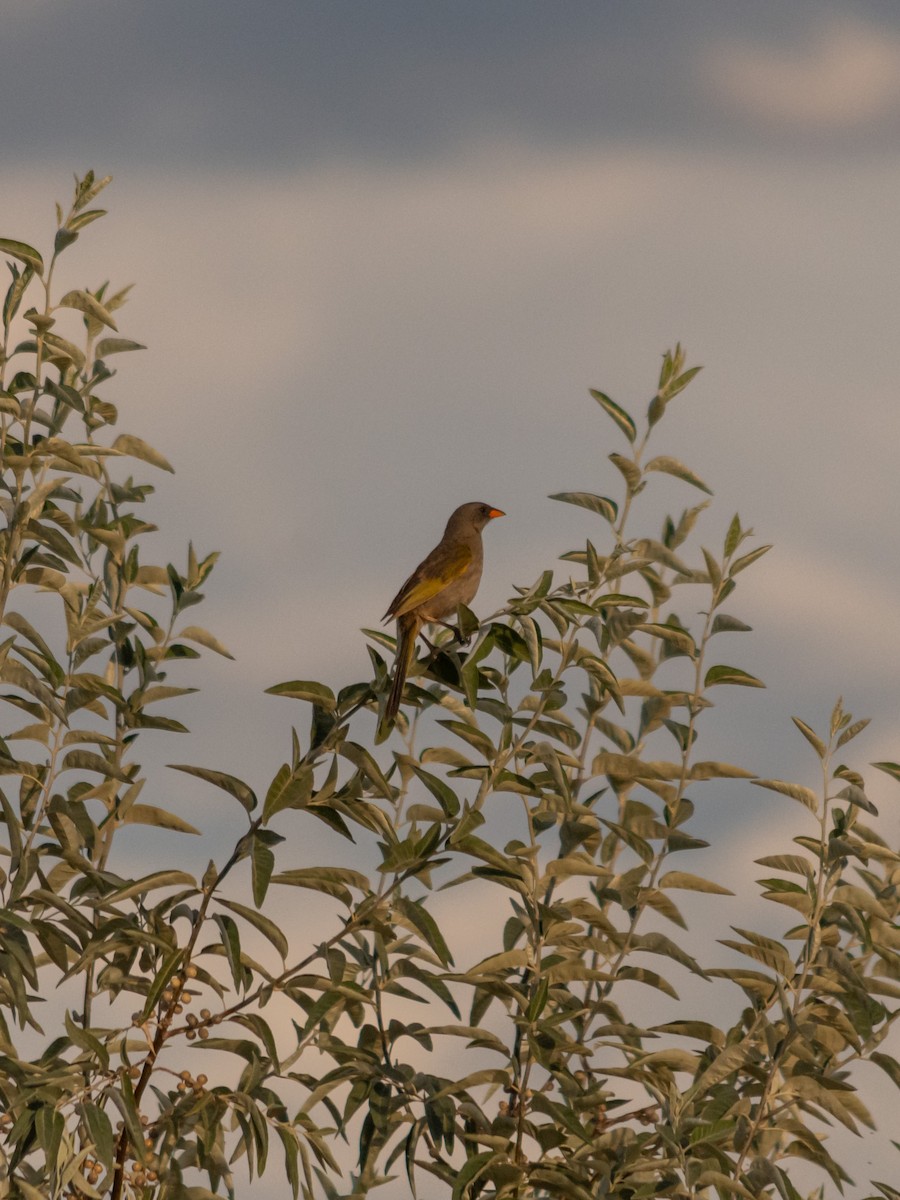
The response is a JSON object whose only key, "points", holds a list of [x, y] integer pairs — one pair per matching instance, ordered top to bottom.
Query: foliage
{"points": [[546, 773]]}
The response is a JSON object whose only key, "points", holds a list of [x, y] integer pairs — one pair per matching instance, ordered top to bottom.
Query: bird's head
{"points": [[474, 515]]}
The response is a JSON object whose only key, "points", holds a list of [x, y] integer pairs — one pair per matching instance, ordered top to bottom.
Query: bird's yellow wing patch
{"points": [[431, 577]]}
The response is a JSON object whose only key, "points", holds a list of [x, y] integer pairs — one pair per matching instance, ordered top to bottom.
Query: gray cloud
{"points": [[289, 84]]}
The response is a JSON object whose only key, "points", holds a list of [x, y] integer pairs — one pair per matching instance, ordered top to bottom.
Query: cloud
{"points": [[845, 75], [810, 593]]}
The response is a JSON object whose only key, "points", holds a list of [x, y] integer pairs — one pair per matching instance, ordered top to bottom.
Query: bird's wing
{"points": [[439, 569]]}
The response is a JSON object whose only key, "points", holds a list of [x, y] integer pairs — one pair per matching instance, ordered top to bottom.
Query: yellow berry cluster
{"points": [[190, 1083], [92, 1170]]}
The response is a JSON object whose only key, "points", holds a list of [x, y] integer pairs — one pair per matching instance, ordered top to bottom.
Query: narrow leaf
{"points": [[24, 253], [88, 304], [115, 345], [619, 415], [135, 447], [671, 466], [602, 505], [740, 564], [726, 624], [194, 633], [734, 675], [302, 689], [814, 740], [889, 768], [235, 787], [796, 791], [855, 795], [149, 814], [158, 879], [692, 883], [263, 924]]}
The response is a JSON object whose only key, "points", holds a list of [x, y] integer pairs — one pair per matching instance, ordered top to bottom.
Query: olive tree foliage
{"points": [[543, 767]]}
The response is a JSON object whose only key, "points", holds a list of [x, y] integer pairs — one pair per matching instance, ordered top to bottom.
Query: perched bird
{"points": [[447, 578]]}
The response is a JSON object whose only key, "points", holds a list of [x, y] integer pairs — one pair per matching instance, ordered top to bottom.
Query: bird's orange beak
{"points": [[496, 512]]}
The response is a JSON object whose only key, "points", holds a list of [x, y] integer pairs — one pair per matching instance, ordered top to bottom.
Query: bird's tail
{"points": [[407, 628]]}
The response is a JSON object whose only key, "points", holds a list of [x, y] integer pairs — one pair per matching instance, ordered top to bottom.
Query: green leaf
{"points": [[78, 221], [64, 237], [24, 253], [13, 299], [86, 303], [115, 345], [60, 348], [619, 415], [135, 447], [671, 466], [628, 468], [602, 505], [733, 536], [741, 564], [725, 624], [531, 632], [194, 633], [679, 639], [734, 675], [302, 689], [851, 732], [473, 736], [814, 740], [86, 760], [363, 760], [889, 768], [718, 770], [228, 783], [288, 789], [796, 791], [442, 792], [856, 796], [149, 814], [795, 863], [262, 864], [158, 879], [331, 881], [692, 883], [418, 916], [263, 924], [230, 937], [762, 949], [648, 977], [85, 1040], [723, 1065], [889, 1065], [49, 1126], [101, 1133], [470, 1171], [724, 1183]]}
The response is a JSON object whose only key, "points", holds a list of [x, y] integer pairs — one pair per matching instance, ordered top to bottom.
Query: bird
{"points": [[447, 578]]}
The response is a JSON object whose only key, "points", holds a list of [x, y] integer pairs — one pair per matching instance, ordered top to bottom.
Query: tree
{"points": [[548, 756]]}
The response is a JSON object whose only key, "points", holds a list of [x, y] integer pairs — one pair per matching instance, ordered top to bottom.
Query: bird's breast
{"points": [[460, 591]]}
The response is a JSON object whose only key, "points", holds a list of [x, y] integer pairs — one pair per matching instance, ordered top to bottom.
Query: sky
{"points": [[382, 251]]}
